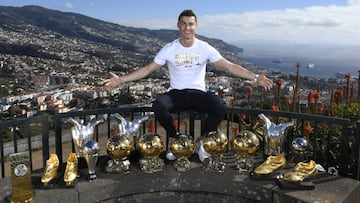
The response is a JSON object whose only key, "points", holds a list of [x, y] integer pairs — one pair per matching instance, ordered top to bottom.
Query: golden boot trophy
{"points": [[71, 170], [51, 171]]}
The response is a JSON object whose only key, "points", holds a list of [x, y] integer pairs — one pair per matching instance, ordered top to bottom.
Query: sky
{"points": [[334, 22]]}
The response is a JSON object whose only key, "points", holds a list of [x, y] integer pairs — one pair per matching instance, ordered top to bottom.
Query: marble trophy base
{"points": [[214, 163], [244, 164], [151, 165], [182, 165], [118, 166], [272, 176], [287, 185]]}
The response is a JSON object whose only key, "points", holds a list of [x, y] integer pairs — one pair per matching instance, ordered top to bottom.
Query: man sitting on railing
{"points": [[186, 59]]}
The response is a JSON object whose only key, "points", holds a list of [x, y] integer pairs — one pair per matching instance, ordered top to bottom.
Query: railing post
{"points": [[58, 139], [344, 151], [356, 170]]}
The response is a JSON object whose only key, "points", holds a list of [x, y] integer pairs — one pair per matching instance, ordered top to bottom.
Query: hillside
{"points": [[36, 41]]}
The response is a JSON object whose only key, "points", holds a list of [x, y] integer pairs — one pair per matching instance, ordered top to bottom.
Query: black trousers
{"points": [[189, 99]]}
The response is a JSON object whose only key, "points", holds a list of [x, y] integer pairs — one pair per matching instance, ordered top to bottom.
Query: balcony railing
{"points": [[333, 142]]}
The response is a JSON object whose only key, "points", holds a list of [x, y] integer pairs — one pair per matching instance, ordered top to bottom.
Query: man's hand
{"points": [[112, 82], [265, 82]]}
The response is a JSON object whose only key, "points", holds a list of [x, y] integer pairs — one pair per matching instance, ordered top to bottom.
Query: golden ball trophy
{"points": [[215, 143], [245, 144], [121, 145], [150, 146], [118, 147], [182, 147]]}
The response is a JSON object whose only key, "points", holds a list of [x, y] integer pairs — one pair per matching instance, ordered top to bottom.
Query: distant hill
{"points": [[74, 25], [37, 42]]}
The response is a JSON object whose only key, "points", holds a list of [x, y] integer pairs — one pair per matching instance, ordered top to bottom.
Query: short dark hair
{"points": [[188, 13]]}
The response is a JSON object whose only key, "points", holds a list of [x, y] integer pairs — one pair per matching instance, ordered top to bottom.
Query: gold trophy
{"points": [[215, 143], [245, 144], [120, 146], [150, 146], [182, 147], [21, 177]]}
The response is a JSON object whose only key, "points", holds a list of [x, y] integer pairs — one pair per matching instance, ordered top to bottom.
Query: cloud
{"points": [[354, 2], [92, 4], [69, 6], [314, 25]]}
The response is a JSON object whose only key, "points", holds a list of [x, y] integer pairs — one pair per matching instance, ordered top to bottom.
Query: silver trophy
{"points": [[274, 135], [85, 146], [120, 146], [299, 146], [91, 149]]}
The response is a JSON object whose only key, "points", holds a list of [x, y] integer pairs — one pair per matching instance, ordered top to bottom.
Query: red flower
{"points": [[298, 65], [347, 76], [279, 82], [249, 90], [316, 96], [310, 97], [288, 101], [275, 108], [243, 116], [308, 129]]}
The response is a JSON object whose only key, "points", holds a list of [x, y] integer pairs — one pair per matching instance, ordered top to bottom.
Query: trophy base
{"points": [[214, 163], [151, 165], [182, 165], [244, 165], [117, 166], [272, 176], [91, 177], [50, 184], [287, 185]]}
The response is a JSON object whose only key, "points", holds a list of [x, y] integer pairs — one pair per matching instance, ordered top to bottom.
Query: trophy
{"points": [[84, 134], [274, 135], [215, 143], [245, 144], [120, 146], [151, 146], [299, 146], [182, 147], [91, 156], [21, 177]]}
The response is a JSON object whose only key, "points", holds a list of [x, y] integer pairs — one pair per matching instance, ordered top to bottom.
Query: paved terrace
{"points": [[196, 185]]}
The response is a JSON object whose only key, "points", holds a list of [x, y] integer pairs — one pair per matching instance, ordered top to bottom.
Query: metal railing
{"points": [[334, 141]]}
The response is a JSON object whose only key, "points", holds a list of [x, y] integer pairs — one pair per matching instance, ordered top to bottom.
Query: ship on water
{"points": [[310, 66]]}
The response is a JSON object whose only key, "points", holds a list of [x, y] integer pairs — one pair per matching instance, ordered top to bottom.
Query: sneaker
{"points": [[201, 151], [170, 156]]}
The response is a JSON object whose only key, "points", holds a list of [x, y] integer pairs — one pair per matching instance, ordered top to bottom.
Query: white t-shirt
{"points": [[187, 65]]}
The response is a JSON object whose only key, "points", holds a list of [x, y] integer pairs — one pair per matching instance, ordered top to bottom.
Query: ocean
{"points": [[319, 61]]}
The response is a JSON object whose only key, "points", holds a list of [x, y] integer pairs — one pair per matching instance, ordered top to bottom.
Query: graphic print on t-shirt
{"points": [[187, 59]]}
